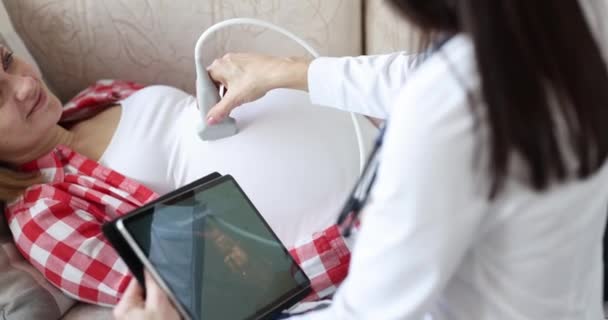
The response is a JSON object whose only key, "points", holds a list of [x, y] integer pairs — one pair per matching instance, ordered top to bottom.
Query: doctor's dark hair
{"points": [[528, 50]]}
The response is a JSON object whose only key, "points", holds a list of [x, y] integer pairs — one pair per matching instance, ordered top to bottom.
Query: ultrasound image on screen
{"points": [[215, 253]]}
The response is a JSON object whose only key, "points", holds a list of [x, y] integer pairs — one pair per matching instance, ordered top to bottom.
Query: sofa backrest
{"points": [[385, 31], [76, 42]]}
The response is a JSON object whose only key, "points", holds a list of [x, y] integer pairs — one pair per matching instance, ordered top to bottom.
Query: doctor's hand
{"points": [[248, 77], [156, 305]]}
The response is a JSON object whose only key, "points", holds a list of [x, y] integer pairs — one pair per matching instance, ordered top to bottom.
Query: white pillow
{"points": [[10, 38]]}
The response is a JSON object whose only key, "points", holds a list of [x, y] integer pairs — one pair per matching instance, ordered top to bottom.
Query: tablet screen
{"points": [[216, 253]]}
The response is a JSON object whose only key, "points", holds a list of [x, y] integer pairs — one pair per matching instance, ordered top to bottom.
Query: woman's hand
{"points": [[248, 77], [156, 306]]}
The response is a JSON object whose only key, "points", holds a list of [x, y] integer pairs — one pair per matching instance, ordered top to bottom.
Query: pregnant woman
{"points": [[63, 174]]}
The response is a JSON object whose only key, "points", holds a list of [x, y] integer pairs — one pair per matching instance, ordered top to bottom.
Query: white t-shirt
{"points": [[296, 162], [431, 246]]}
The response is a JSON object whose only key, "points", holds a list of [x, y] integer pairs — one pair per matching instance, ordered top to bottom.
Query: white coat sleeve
{"points": [[367, 84], [426, 208]]}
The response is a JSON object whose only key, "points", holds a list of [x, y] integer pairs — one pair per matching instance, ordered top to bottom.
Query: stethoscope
{"points": [[349, 215]]}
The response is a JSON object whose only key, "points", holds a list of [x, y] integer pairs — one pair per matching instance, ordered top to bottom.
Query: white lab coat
{"points": [[431, 246]]}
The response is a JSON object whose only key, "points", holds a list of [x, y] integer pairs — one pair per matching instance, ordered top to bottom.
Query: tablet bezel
{"points": [[281, 303]]}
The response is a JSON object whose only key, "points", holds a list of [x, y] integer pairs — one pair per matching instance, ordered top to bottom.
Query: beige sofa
{"points": [[76, 42]]}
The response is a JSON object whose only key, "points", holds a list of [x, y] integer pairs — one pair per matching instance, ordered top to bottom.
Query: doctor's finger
{"points": [[224, 70], [217, 73], [223, 108], [155, 297], [132, 298], [158, 305]]}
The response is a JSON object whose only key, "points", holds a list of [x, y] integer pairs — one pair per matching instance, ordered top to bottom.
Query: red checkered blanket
{"points": [[57, 225]]}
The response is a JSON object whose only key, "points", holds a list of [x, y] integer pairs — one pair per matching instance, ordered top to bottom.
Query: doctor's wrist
{"points": [[294, 73]]}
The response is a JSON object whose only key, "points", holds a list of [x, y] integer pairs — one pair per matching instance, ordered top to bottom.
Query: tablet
{"points": [[212, 252]]}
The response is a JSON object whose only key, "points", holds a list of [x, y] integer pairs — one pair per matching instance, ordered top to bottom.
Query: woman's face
{"points": [[28, 110]]}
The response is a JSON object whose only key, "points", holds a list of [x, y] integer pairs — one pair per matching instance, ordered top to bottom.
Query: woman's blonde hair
{"points": [[13, 183]]}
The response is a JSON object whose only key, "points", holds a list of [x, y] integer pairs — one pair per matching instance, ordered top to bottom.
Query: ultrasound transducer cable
{"points": [[206, 90]]}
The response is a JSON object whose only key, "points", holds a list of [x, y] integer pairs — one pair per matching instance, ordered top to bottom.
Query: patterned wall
{"points": [[385, 31], [79, 41]]}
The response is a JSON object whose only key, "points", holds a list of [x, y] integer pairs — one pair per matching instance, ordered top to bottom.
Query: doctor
{"points": [[490, 196]]}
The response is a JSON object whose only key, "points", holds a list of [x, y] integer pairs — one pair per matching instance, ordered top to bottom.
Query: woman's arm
{"points": [[365, 84]]}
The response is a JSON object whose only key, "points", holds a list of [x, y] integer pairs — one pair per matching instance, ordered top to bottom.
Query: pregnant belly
{"points": [[297, 162]]}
